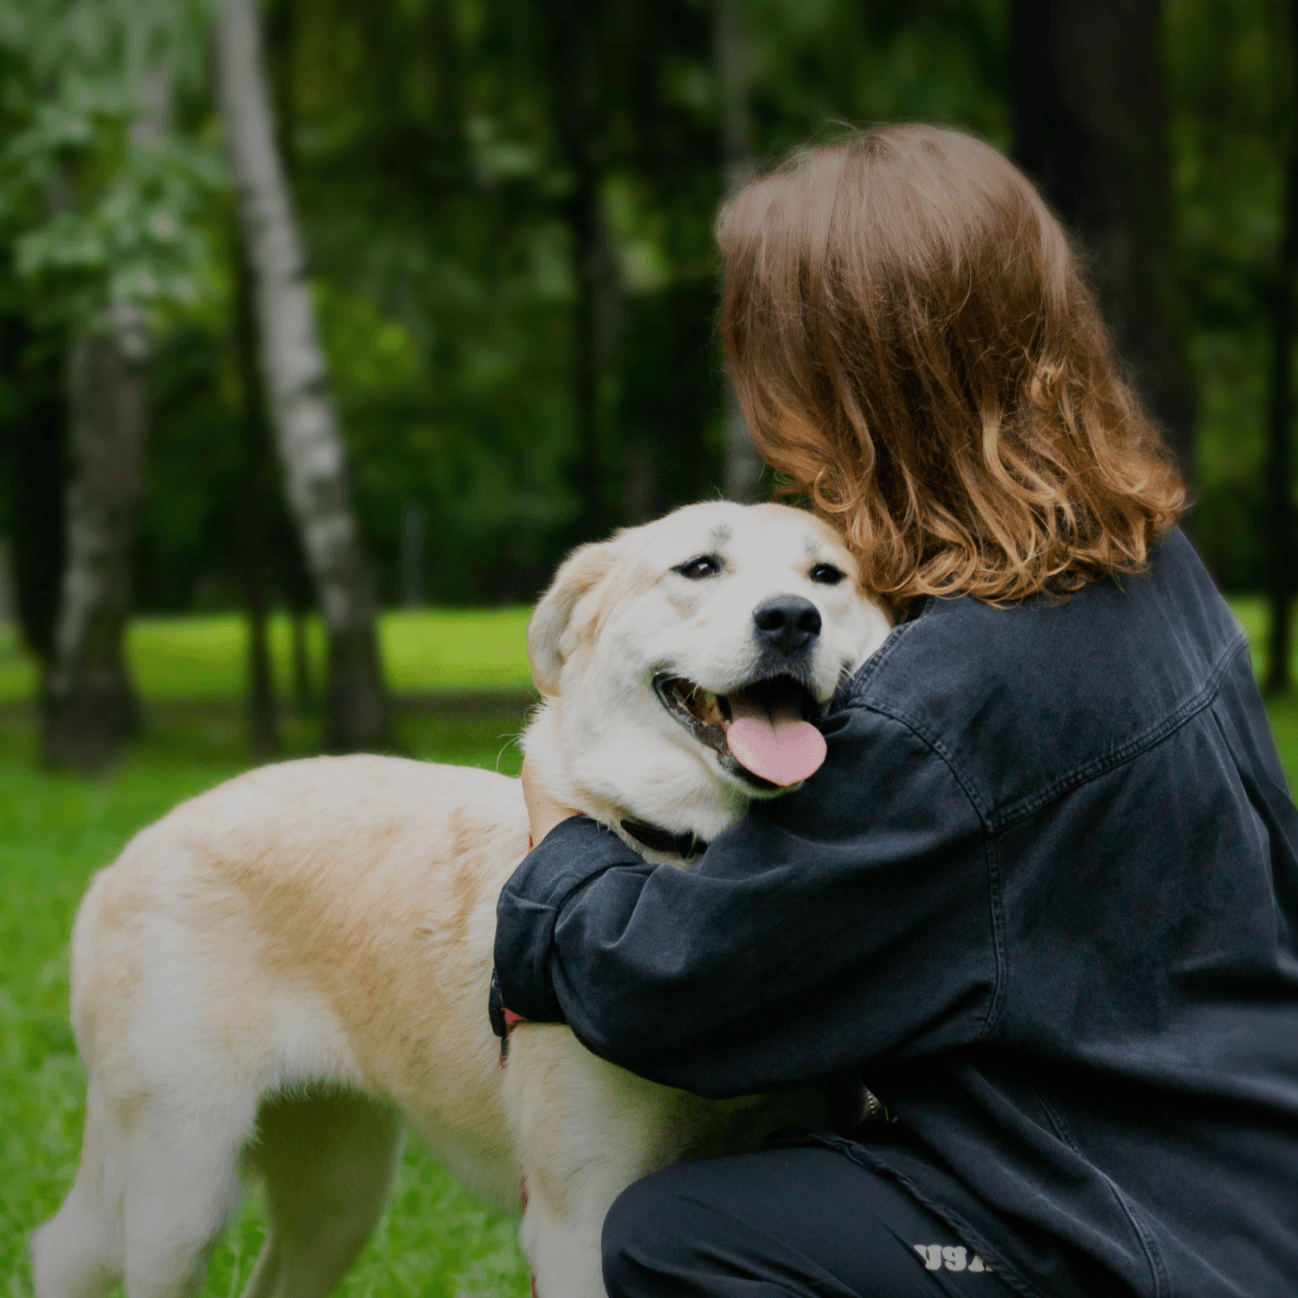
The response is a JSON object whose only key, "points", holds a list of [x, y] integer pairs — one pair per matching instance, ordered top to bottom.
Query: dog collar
{"points": [[656, 839]]}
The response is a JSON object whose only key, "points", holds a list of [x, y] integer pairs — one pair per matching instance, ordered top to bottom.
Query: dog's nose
{"points": [[787, 623]]}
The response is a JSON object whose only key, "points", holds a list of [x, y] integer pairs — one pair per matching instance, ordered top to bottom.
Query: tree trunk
{"points": [[584, 52], [1090, 126], [598, 317], [302, 413], [36, 440], [742, 474], [1280, 559], [410, 560], [298, 593], [8, 604], [89, 707], [263, 728]]}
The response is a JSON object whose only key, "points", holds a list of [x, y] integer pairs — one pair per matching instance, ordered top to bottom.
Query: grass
{"points": [[206, 657], [462, 678], [56, 830]]}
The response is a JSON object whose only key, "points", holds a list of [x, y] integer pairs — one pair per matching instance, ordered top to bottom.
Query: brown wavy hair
{"points": [[914, 348]]}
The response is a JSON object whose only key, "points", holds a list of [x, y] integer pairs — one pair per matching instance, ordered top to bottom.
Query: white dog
{"points": [[285, 972]]}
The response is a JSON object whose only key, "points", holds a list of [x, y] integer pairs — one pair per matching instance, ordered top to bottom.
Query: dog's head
{"points": [[682, 662]]}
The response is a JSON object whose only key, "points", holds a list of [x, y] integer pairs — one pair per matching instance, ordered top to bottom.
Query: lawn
{"points": [[206, 657], [461, 685], [56, 830]]}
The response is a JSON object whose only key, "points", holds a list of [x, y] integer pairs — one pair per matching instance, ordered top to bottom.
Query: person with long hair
{"points": [[1042, 896]]}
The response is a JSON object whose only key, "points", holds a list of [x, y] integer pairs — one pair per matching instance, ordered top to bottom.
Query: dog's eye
{"points": [[706, 565], [826, 574]]}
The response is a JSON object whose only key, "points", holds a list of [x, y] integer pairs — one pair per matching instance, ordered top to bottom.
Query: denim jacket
{"points": [[1043, 895]]}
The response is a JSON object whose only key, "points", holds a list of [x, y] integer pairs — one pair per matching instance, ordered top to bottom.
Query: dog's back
{"points": [[306, 930]]}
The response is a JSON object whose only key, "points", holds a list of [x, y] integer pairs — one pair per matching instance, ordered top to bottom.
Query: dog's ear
{"points": [[583, 569]]}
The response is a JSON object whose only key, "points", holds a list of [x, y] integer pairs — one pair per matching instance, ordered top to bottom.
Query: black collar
{"points": [[686, 846]]}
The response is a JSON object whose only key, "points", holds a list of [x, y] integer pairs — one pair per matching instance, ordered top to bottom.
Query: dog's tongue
{"points": [[778, 745]]}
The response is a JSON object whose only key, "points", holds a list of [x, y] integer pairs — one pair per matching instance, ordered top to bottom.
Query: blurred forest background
{"points": [[504, 211], [326, 327]]}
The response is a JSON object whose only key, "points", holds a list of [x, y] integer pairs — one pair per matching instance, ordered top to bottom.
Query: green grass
{"points": [[206, 657], [56, 830]]}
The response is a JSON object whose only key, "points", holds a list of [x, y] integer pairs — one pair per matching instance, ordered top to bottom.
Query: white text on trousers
{"points": [[937, 1256]]}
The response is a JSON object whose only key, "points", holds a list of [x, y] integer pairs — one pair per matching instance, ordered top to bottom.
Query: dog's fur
{"points": [[284, 972]]}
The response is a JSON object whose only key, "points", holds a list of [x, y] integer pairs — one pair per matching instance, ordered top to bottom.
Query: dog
{"points": [[285, 973]]}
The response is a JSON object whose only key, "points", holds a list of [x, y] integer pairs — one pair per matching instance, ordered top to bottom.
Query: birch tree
{"points": [[100, 254], [302, 412], [90, 705]]}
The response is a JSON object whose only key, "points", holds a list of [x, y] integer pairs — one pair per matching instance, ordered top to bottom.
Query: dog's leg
{"points": [[583, 1130], [329, 1163], [183, 1185], [78, 1253]]}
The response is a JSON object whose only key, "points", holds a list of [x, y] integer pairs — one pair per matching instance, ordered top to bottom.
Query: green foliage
{"points": [[824, 62], [1231, 92], [434, 164], [433, 178], [102, 199]]}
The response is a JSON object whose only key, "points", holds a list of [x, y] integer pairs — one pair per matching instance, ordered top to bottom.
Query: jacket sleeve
{"points": [[848, 922]]}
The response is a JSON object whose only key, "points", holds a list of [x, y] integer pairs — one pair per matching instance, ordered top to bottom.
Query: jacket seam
{"points": [[879, 657], [922, 733], [1125, 752], [997, 822], [1001, 991], [997, 998], [1056, 1119], [962, 1229], [1148, 1244], [1157, 1271]]}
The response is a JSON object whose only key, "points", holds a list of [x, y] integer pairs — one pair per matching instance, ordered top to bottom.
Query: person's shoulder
{"points": [[1027, 690]]}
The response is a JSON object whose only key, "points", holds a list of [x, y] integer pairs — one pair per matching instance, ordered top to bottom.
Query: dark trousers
{"points": [[801, 1221]]}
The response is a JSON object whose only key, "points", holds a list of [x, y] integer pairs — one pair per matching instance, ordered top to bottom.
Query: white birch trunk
{"points": [[302, 413], [742, 474], [89, 706]]}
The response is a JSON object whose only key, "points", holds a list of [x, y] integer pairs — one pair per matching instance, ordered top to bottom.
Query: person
{"points": [[1043, 893]]}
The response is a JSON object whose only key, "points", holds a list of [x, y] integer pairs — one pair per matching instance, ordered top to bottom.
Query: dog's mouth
{"points": [[762, 731]]}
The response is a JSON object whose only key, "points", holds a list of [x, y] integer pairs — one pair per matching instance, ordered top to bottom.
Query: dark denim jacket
{"points": [[1043, 893]]}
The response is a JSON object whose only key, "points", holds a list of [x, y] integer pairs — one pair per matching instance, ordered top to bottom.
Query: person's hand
{"points": [[543, 812]]}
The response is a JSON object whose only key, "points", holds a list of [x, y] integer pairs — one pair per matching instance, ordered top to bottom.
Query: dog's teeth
{"points": [[712, 708]]}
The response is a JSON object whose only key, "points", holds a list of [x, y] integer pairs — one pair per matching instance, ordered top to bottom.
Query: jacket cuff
{"points": [[570, 855]]}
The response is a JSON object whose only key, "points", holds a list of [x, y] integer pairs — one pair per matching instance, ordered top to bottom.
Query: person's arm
{"points": [[849, 921]]}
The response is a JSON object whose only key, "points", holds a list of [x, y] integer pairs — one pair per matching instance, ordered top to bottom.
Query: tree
{"points": [[587, 53], [1090, 126], [98, 193], [301, 409], [1280, 409], [34, 418], [743, 466], [90, 706], [263, 728]]}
